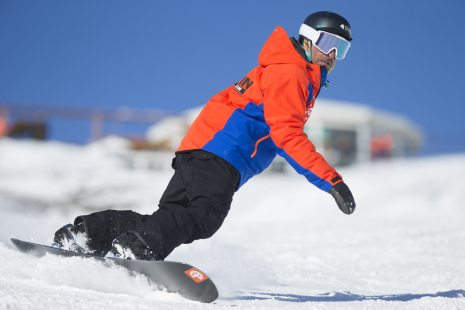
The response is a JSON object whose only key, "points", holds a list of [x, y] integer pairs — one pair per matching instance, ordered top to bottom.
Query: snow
{"points": [[284, 244]]}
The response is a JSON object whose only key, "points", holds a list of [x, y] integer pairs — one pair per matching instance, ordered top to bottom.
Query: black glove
{"points": [[344, 199], [129, 246]]}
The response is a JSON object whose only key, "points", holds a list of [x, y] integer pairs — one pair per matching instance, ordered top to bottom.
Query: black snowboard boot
{"points": [[71, 238], [74, 238], [130, 246]]}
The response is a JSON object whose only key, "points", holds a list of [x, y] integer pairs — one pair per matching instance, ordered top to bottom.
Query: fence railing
{"points": [[32, 113]]}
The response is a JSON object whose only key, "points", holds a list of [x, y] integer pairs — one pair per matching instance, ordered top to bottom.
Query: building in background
{"points": [[347, 133]]}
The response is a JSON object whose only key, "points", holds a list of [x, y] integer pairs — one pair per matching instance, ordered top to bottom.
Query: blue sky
{"points": [[175, 55]]}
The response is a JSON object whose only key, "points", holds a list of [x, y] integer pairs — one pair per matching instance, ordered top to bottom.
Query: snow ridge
{"points": [[284, 244]]}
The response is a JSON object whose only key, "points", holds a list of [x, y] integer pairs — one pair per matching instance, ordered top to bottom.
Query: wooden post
{"points": [[96, 125]]}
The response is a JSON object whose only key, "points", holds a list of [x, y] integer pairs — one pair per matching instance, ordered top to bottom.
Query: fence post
{"points": [[96, 125]]}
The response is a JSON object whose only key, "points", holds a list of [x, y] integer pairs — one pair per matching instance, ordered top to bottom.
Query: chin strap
{"points": [[331, 69], [327, 82]]}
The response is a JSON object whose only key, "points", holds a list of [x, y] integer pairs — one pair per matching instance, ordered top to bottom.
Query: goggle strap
{"points": [[309, 32], [313, 35]]}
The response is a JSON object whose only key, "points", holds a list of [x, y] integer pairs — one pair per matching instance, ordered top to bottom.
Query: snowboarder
{"points": [[236, 136]]}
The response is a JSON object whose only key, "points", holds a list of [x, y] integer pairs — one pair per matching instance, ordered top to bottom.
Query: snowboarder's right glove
{"points": [[344, 199], [129, 246]]}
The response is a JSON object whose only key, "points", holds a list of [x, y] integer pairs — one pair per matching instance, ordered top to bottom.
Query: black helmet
{"points": [[331, 22]]}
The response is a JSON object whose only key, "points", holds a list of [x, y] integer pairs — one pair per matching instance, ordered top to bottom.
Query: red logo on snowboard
{"points": [[196, 275]]}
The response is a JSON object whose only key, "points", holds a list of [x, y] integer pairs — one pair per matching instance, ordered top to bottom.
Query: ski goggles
{"points": [[325, 42]]}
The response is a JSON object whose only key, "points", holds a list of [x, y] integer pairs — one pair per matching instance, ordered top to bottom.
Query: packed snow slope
{"points": [[284, 244]]}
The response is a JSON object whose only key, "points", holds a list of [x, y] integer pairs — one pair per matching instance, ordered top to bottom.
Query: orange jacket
{"points": [[264, 114]]}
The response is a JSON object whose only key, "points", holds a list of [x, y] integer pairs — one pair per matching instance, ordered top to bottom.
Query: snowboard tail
{"points": [[174, 277]]}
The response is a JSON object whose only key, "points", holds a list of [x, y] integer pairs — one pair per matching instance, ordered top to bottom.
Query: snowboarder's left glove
{"points": [[344, 199], [129, 246]]}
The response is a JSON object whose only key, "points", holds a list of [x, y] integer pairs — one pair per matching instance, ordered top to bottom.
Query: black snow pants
{"points": [[193, 206]]}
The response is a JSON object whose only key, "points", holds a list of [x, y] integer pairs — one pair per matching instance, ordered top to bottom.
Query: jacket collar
{"points": [[298, 48], [279, 49]]}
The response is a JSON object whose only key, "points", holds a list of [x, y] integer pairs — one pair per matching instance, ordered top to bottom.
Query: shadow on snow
{"points": [[345, 296]]}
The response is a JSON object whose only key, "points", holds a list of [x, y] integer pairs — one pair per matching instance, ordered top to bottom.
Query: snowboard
{"points": [[173, 277]]}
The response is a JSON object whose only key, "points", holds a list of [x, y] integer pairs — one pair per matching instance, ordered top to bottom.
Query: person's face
{"points": [[327, 60]]}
